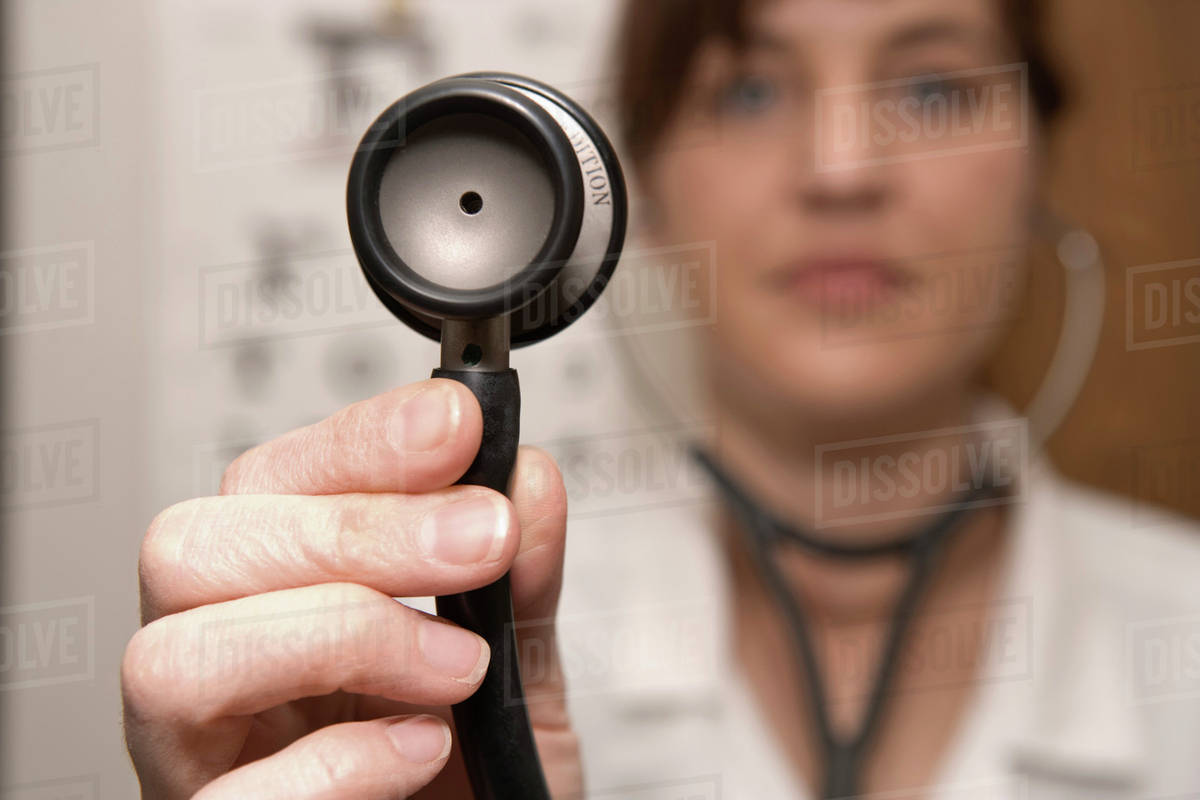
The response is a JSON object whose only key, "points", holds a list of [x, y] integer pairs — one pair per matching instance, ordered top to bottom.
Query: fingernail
{"points": [[427, 420], [467, 532], [453, 651], [420, 739]]}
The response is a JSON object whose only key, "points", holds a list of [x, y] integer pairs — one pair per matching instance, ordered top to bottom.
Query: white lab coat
{"points": [[1092, 689]]}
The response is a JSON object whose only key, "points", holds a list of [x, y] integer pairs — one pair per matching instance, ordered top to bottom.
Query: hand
{"points": [[273, 661]]}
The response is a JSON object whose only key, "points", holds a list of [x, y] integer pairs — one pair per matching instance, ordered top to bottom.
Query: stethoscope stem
{"points": [[475, 345]]}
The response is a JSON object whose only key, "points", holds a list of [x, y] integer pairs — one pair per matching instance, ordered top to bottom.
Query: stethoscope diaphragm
{"points": [[487, 195]]}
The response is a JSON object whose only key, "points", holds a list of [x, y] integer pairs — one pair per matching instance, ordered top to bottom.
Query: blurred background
{"points": [[178, 283]]}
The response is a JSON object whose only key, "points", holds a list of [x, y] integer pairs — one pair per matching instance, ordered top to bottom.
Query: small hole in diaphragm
{"points": [[471, 203]]}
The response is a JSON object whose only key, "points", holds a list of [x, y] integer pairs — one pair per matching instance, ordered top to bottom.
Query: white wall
{"points": [[149, 199]]}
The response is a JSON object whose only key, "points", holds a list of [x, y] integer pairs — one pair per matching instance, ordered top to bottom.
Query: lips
{"points": [[842, 284]]}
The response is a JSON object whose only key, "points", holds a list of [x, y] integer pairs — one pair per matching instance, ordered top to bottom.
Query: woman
{"points": [[867, 176]]}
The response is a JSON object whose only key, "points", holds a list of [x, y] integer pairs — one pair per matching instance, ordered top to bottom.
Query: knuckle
{"points": [[258, 469], [251, 471], [231, 478], [351, 546], [154, 549], [159, 555], [349, 596], [359, 612], [365, 624], [145, 674], [328, 766]]}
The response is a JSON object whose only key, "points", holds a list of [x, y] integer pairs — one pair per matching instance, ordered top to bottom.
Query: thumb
{"points": [[540, 499], [536, 578]]}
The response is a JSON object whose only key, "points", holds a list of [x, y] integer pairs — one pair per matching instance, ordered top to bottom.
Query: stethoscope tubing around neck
{"points": [[844, 757]]}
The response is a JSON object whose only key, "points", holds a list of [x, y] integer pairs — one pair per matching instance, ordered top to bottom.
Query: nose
{"points": [[846, 175], [851, 191]]}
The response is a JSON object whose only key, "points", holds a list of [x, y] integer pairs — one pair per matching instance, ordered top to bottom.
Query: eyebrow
{"points": [[932, 31], [914, 35], [759, 38]]}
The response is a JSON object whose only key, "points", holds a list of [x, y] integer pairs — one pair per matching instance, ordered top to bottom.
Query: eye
{"points": [[926, 87], [749, 94]]}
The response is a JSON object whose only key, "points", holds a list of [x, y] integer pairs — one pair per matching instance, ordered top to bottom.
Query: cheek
{"points": [[727, 191], [706, 195], [967, 203], [691, 206], [968, 221]]}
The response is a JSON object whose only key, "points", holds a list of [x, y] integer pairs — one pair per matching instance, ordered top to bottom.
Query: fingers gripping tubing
{"points": [[493, 724]]}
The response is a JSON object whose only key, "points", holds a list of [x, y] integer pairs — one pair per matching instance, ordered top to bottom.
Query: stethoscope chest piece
{"points": [[486, 196]]}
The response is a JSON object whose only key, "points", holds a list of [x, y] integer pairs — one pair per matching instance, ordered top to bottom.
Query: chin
{"points": [[874, 385]]}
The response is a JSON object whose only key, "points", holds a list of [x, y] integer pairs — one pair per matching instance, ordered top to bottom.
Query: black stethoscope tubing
{"points": [[844, 758]]}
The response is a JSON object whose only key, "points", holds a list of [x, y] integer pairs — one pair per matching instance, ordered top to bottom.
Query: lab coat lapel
{"points": [[1080, 728]]}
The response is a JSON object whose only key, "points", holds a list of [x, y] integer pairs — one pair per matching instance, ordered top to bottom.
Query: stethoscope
{"points": [[488, 211]]}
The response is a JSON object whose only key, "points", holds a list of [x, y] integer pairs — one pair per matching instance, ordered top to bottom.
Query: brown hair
{"points": [[658, 40]]}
